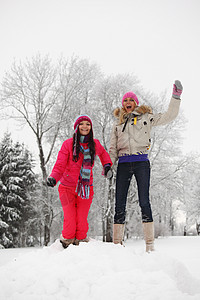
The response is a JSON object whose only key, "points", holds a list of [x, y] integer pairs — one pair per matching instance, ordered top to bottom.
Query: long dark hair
{"points": [[91, 145]]}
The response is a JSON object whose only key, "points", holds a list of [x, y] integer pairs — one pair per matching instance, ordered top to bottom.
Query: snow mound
{"points": [[96, 271]]}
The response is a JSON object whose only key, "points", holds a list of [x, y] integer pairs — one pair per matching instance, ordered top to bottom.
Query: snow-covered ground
{"points": [[101, 271]]}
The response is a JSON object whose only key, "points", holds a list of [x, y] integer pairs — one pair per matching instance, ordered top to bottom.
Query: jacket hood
{"points": [[143, 109], [121, 114]]}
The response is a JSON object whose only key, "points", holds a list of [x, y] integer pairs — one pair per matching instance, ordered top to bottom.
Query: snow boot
{"points": [[148, 229], [118, 233], [66, 242], [76, 242]]}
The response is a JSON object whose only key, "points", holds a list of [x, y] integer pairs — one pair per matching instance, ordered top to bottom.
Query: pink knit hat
{"points": [[130, 95], [79, 119]]}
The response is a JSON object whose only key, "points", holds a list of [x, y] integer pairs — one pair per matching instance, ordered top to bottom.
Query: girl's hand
{"points": [[177, 89], [108, 172], [51, 181]]}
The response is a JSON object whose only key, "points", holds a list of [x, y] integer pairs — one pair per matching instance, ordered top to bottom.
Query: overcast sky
{"points": [[157, 40]]}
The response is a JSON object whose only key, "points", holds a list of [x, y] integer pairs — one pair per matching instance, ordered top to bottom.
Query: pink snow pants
{"points": [[75, 209]]}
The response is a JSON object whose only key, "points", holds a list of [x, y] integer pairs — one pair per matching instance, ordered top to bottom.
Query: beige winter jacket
{"points": [[133, 136]]}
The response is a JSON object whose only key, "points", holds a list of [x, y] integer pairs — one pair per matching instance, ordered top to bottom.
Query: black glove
{"points": [[108, 172], [51, 181]]}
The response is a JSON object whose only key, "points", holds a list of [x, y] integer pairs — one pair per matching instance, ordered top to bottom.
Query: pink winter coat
{"points": [[67, 171]]}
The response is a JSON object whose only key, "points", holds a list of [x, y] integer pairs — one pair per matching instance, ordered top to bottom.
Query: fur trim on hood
{"points": [[143, 109], [121, 114]]}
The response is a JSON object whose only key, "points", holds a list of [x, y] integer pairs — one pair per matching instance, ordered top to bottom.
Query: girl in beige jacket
{"points": [[130, 142]]}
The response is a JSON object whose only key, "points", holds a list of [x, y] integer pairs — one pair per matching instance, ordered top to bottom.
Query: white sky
{"points": [[157, 40]]}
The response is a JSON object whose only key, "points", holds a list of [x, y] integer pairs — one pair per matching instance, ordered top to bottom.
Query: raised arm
{"points": [[173, 108]]}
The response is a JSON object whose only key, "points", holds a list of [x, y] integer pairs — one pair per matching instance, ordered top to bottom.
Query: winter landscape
{"points": [[60, 59], [98, 271]]}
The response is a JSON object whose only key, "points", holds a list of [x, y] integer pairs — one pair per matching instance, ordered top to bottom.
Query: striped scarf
{"points": [[83, 187]]}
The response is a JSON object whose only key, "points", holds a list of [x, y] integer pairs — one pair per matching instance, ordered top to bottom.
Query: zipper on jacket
{"points": [[125, 124], [128, 133], [129, 141]]}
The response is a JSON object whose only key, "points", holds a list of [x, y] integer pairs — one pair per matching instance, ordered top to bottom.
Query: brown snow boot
{"points": [[148, 229], [118, 233], [66, 242], [76, 242]]}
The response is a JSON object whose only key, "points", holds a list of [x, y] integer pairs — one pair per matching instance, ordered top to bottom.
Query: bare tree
{"points": [[43, 96], [107, 96], [48, 97], [190, 191]]}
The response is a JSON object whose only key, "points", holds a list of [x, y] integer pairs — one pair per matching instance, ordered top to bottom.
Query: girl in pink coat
{"points": [[73, 168]]}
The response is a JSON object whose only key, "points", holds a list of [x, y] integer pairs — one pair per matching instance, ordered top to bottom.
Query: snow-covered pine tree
{"points": [[24, 166], [16, 184], [7, 212]]}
